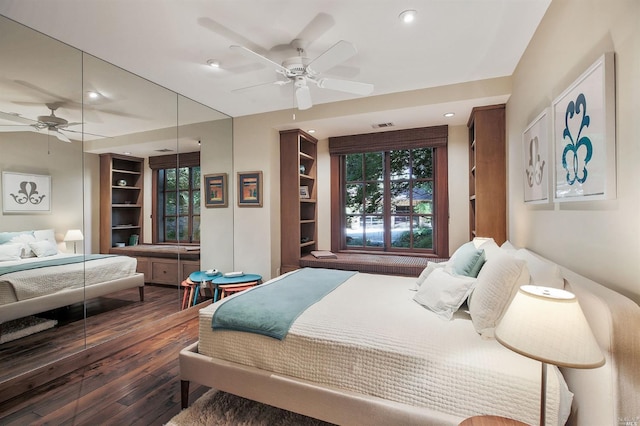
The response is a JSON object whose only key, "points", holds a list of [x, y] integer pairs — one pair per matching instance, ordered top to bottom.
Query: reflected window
{"points": [[176, 191]]}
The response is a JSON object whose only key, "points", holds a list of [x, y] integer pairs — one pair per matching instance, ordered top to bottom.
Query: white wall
{"points": [[598, 239]]}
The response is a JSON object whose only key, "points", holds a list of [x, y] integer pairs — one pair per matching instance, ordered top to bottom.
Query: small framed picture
{"points": [[536, 148], [215, 186], [250, 189], [304, 192], [26, 193]]}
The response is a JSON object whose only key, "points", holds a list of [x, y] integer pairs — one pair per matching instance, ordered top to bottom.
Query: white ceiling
{"points": [[170, 41]]}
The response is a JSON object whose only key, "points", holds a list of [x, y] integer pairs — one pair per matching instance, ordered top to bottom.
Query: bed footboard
{"points": [[310, 399]]}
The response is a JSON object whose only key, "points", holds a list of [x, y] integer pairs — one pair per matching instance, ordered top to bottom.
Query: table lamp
{"points": [[73, 235], [548, 325]]}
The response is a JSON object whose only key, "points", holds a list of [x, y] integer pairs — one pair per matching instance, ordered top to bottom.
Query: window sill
{"points": [[410, 266]]}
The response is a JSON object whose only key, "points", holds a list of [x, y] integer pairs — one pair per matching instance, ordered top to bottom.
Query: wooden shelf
{"points": [[298, 152], [487, 173], [120, 203]]}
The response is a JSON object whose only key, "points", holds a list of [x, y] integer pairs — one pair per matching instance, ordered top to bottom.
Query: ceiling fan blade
{"points": [[336, 54], [258, 57], [271, 83], [354, 87], [303, 97], [16, 118], [17, 128], [87, 133], [60, 136]]}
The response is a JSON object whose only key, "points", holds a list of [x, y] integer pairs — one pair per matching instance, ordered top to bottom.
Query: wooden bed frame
{"points": [[67, 297], [609, 395]]}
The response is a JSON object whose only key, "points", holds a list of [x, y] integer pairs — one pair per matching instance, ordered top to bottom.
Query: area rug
{"points": [[22, 327], [221, 408]]}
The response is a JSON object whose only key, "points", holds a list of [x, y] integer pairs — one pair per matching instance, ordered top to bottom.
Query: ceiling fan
{"points": [[301, 71], [54, 124]]}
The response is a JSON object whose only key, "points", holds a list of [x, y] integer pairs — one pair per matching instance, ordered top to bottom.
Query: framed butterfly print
{"points": [[584, 135], [536, 153]]}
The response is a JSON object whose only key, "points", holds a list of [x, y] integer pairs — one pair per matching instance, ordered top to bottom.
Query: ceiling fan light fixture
{"points": [[408, 16]]}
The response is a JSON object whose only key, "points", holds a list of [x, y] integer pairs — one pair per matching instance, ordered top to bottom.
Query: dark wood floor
{"points": [[138, 385]]}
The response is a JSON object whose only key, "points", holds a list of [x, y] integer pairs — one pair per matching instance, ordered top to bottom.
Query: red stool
{"points": [[189, 287], [229, 289]]}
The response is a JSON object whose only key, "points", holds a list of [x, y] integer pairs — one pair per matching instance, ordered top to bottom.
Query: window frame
{"points": [[427, 137]]}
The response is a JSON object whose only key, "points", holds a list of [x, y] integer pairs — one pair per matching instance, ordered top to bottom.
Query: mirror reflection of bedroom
{"points": [[100, 198]]}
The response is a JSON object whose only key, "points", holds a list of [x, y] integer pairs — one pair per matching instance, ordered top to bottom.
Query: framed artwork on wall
{"points": [[584, 135], [536, 141], [215, 186], [250, 189], [26, 193]]}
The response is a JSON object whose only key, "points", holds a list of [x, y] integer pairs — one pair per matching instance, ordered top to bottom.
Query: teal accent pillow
{"points": [[6, 237], [468, 261]]}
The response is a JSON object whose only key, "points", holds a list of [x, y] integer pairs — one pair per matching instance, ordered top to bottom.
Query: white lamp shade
{"points": [[73, 235], [547, 324]]}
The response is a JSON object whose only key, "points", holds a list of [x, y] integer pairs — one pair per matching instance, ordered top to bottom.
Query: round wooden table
{"points": [[491, 421]]}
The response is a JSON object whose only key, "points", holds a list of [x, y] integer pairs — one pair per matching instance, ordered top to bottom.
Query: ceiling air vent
{"points": [[381, 125], [164, 150]]}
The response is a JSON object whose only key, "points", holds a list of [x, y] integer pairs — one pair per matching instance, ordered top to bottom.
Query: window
{"points": [[392, 192], [177, 198]]}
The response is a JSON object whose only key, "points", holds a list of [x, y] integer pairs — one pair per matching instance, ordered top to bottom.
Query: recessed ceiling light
{"points": [[408, 16], [213, 63], [93, 94], [449, 114], [311, 131], [127, 153]]}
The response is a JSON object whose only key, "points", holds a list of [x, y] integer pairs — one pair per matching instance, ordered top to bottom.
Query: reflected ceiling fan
{"points": [[301, 71], [52, 123]]}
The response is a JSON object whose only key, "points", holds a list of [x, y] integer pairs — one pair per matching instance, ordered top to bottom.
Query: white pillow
{"points": [[46, 234], [25, 239], [478, 241], [507, 246], [43, 248], [490, 248], [10, 251], [431, 266], [543, 273], [498, 281], [443, 293]]}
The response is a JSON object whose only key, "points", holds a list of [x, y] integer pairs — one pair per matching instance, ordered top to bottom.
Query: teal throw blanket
{"points": [[51, 262], [270, 309]]}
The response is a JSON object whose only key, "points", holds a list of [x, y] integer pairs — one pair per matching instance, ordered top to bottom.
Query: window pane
{"points": [[423, 163], [399, 164], [374, 166], [354, 167], [184, 178], [195, 178], [171, 179], [400, 197], [423, 197], [375, 198], [196, 202], [353, 202], [170, 203], [184, 203], [183, 228], [196, 228], [170, 229], [374, 231], [354, 232], [401, 232], [423, 232]]}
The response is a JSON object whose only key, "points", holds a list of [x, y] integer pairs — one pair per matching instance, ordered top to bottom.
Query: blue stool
{"points": [[200, 278]]}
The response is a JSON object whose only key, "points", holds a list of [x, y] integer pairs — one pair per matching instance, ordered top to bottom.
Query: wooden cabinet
{"points": [[487, 173], [121, 192], [298, 193]]}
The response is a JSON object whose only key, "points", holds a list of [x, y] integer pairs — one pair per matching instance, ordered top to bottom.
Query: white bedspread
{"points": [[36, 282], [369, 336]]}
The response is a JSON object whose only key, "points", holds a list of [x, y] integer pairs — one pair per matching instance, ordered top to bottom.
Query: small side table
{"points": [[200, 278], [223, 285], [491, 421]]}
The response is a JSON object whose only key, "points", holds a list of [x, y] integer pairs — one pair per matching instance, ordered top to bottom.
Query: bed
{"points": [[47, 279], [367, 353]]}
